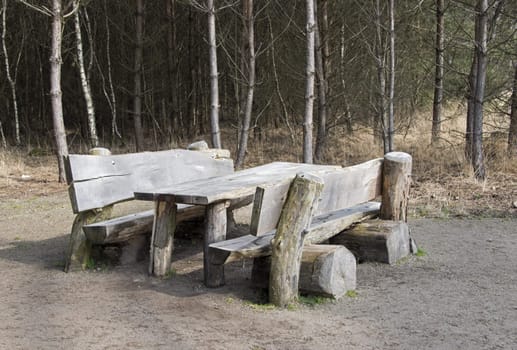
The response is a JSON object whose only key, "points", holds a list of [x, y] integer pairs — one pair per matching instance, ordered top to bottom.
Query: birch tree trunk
{"points": [[481, 54], [438, 75], [214, 77], [381, 77], [11, 81], [85, 84], [55, 87], [322, 88], [309, 90], [137, 93], [248, 106], [391, 114], [512, 134]]}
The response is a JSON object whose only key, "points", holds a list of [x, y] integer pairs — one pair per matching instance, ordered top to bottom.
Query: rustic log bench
{"points": [[100, 180], [346, 199]]}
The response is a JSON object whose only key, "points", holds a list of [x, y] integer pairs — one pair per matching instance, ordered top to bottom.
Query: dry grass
{"points": [[443, 183]]}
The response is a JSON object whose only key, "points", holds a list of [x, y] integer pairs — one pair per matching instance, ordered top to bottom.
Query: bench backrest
{"points": [[98, 181], [343, 188]]}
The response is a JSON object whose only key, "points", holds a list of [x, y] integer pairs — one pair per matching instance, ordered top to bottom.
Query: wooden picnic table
{"points": [[217, 194]]}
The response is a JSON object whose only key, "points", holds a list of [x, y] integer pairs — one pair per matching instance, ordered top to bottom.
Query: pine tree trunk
{"points": [[481, 54], [438, 75], [214, 77], [381, 77], [12, 83], [85, 84], [55, 87], [322, 88], [309, 92], [137, 93], [248, 106], [391, 114], [512, 134]]}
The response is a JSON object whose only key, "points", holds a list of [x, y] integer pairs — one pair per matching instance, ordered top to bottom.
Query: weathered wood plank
{"points": [[97, 181], [239, 184], [395, 187], [343, 188], [325, 226], [122, 228], [322, 228], [383, 241], [287, 244]]}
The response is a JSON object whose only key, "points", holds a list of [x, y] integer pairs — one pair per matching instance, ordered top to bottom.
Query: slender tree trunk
{"points": [[481, 54], [172, 63], [438, 75], [214, 77], [381, 77], [11, 81], [55, 87], [309, 92], [137, 93], [248, 107], [470, 108], [90, 110], [391, 114], [512, 134], [2, 136], [321, 137]]}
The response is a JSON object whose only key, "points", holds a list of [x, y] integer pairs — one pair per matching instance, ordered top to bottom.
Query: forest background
{"points": [[436, 79]]}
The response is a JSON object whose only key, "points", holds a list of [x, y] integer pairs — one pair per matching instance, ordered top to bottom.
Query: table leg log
{"points": [[215, 231], [162, 240], [287, 244]]}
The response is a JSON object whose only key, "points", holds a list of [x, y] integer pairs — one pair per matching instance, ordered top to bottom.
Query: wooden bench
{"points": [[97, 182], [346, 199]]}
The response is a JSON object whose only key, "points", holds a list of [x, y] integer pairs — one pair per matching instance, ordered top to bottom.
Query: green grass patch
{"points": [[420, 252], [351, 293], [312, 300], [260, 307]]}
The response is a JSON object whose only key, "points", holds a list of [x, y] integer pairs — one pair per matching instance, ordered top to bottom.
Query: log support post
{"points": [[395, 186], [215, 231], [162, 240], [288, 242], [79, 248]]}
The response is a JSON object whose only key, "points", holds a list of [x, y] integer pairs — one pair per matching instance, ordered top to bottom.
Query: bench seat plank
{"points": [[121, 228], [322, 228]]}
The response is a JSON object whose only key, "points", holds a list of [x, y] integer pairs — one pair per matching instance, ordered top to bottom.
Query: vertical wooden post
{"points": [[395, 186], [215, 231], [162, 238], [288, 242], [79, 248]]}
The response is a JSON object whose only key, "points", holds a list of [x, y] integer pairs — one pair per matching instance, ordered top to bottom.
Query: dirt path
{"points": [[461, 295]]}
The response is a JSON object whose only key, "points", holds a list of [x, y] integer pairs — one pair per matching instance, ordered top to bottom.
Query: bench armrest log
{"points": [[395, 186], [287, 244]]}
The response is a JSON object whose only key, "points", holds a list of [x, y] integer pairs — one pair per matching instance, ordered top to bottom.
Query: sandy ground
{"points": [[461, 295]]}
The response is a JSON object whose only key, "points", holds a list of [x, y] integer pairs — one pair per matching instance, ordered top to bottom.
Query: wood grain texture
{"points": [[96, 181], [239, 184], [395, 187], [343, 188], [124, 227], [322, 228], [215, 231], [162, 238], [383, 241], [287, 243], [326, 270]]}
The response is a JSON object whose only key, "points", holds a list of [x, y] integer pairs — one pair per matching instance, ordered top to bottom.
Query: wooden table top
{"points": [[232, 186]]}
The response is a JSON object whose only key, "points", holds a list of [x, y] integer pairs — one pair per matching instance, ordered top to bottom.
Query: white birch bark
{"points": [[214, 77], [11, 81], [85, 84], [309, 89]]}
